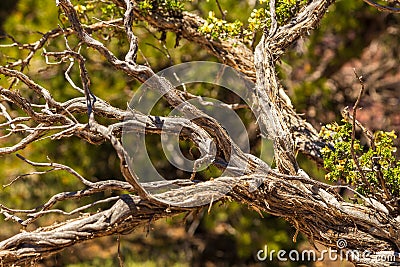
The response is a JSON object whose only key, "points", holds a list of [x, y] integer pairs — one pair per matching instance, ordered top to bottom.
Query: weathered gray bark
{"points": [[312, 207]]}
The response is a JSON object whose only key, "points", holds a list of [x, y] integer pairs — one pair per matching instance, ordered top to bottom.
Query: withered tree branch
{"points": [[383, 7], [237, 55], [314, 208]]}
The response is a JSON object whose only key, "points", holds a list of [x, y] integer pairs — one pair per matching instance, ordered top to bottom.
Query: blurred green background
{"points": [[318, 74]]}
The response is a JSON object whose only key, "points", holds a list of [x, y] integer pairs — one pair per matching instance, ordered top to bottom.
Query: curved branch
{"points": [[382, 7], [237, 55], [313, 207], [314, 212]]}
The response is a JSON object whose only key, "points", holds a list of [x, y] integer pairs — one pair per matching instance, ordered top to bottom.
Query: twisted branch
{"points": [[314, 208]]}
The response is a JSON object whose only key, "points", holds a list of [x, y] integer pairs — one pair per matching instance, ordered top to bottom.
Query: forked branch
{"points": [[314, 208]]}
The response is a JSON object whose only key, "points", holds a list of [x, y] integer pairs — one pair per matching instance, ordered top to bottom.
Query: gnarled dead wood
{"points": [[314, 208], [319, 213]]}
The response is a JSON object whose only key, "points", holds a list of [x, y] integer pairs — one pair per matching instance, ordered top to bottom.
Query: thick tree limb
{"points": [[235, 54], [312, 207], [315, 212]]}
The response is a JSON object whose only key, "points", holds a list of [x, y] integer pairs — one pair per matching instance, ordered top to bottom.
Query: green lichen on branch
{"points": [[163, 7], [286, 9], [89, 12], [259, 18], [375, 160]]}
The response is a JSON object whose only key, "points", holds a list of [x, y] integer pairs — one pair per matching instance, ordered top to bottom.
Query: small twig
{"points": [[382, 7], [223, 14], [111, 24], [166, 54], [48, 61], [68, 78], [32, 85], [90, 97], [204, 102], [7, 116], [19, 119], [30, 129], [353, 132], [66, 133], [367, 133], [7, 135], [22, 143], [57, 166], [26, 174], [101, 186], [210, 205], [16, 210], [43, 212], [34, 214], [10, 216], [121, 262]]}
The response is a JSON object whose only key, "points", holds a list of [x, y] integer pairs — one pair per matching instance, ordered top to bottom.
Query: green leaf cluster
{"points": [[166, 7], [286, 9], [259, 18], [216, 28], [375, 160]]}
